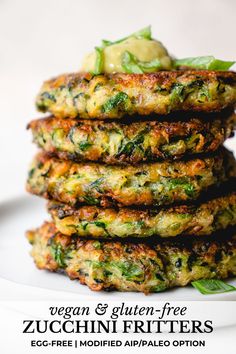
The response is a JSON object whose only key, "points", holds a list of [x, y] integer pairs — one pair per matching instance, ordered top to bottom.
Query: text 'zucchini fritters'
{"points": [[117, 95], [116, 142], [159, 183], [184, 220], [130, 266]]}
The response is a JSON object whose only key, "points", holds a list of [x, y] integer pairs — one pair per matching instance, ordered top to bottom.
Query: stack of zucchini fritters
{"points": [[140, 189]]}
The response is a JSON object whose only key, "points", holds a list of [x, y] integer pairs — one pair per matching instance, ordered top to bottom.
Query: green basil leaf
{"points": [[144, 33], [106, 43], [99, 61], [204, 63], [132, 65], [150, 66], [212, 286]]}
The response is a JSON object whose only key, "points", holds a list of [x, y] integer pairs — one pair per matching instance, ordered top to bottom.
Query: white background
{"points": [[43, 38]]}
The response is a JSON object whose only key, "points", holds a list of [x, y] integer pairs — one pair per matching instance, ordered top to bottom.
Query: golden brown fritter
{"points": [[118, 95], [122, 143], [159, 183], [185, 220], [130, 266]]}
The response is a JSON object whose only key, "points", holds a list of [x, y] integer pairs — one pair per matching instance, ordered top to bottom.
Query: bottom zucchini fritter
{"points": [[129, 266]]}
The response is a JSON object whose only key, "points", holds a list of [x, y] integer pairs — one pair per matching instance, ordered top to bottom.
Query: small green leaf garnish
{"points": [[144, 33], [106, 43], [99, 61], [204, 63], [132, 65], [212, 286]]}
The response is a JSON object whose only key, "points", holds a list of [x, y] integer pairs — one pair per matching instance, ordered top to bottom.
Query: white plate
{"points": [[16, 265]]}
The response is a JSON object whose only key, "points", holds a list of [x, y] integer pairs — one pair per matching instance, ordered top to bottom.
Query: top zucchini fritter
{"points": [[116, 95]]}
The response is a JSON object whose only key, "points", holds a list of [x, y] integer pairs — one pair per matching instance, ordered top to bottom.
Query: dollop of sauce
{"points": [[143, 49]]}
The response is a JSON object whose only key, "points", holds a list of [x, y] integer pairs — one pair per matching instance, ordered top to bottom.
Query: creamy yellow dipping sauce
{"points": [[143, 49]]}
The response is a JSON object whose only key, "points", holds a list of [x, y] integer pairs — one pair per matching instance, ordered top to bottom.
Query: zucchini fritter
{"points": [[117, 95], [115, 142], [159, 183], [183, 220], [130, 266]]}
